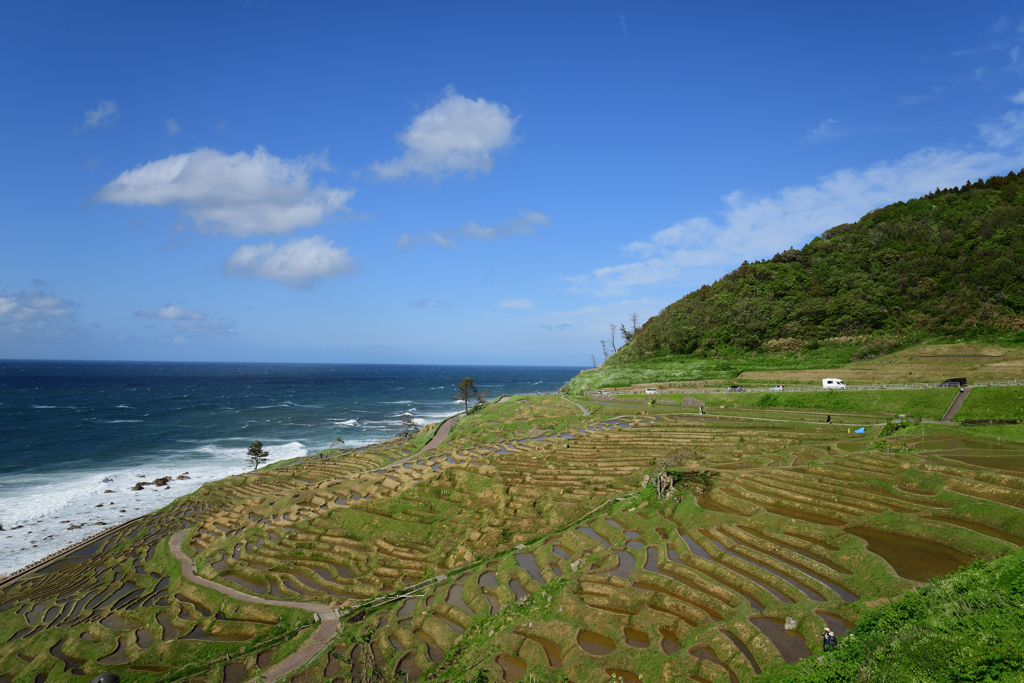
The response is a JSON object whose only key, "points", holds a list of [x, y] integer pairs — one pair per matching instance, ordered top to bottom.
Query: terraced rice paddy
{"points": [[552, 556]]}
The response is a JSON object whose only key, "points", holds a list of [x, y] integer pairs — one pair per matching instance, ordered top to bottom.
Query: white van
{"points": [[832, 383], [651, 390]]}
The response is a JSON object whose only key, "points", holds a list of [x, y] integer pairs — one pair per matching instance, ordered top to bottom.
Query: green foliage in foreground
{"points": [[948, 263], [965, 628]]}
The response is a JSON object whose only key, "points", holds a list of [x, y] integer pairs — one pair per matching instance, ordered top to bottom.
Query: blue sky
{"points": [[458, 183]]}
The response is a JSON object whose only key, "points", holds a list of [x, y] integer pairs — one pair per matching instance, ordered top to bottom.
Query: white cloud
{"points": [[1018, 98], [103, 115], [172, 127], [827, 129], [1008, 130], [456, 135], [238, 194], [524, 224], [755, 228], [478, 232], [408, 241], [440, 241], [299, 263], [516, 303], [172, 312], [34, 313], [191, 324], [204, 329]]}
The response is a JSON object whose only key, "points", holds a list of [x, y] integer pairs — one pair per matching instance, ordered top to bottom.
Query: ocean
{"points": [[75, 437]]}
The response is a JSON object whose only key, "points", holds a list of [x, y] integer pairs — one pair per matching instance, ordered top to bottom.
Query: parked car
{"points": [[954, 382], [832, 384], [777, 387], [736, 388], [650, 390]]}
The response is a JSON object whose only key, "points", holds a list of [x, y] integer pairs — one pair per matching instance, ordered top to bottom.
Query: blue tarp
{"points": [[858, 431]]}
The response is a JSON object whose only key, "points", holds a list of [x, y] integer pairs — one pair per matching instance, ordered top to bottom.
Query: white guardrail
{"points": [[849, 387]]}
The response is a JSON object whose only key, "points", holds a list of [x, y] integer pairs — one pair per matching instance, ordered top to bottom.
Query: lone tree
{"points": [[464, 391], [256, 455]]}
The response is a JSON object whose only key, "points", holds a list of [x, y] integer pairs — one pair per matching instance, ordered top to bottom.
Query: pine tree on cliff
{"points": [[256, 455]]}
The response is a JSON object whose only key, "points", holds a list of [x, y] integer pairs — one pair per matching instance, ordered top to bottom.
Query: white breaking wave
{"points": [[45, 508]]}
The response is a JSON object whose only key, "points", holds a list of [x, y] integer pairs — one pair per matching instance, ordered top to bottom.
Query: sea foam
{"points": [[46, 507]]}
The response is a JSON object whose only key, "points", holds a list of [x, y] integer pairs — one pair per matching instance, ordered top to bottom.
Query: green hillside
{"points": [[949, 264], [965, 627]]}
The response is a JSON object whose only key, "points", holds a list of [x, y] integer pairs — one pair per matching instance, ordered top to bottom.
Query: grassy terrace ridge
{"points": [[789, 518]]}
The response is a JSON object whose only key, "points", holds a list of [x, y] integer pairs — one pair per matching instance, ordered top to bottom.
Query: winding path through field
{"points": [[585, 411], [440, 435], [329, 622]]}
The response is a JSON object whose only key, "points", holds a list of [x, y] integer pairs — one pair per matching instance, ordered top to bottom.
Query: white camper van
{"points": [[832, 383], [651, 390]]}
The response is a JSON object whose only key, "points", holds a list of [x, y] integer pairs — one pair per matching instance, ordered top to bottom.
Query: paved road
{"points": [[954, 407], [585, 411], [442, 433], [329, 622]]}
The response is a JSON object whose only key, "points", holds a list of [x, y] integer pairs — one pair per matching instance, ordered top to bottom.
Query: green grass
{"points": [[723, 365], [926, 403], [999, 403], [964, 628]]}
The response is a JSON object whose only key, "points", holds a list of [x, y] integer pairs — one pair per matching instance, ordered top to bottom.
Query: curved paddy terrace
{"points": [[537, 551]]}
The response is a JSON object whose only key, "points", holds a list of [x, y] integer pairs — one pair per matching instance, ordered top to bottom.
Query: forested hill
{"points": [[951, 262]]}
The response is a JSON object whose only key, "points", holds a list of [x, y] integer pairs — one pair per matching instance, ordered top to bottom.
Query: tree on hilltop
{"points": [[464, 391], [256, 455]]}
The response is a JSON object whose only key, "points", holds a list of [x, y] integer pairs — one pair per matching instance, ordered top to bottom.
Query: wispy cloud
{"points": [[104, 114], [172, 127], [826, 129], [1008, 129], [456, 135], [238, 194], [523, 224], [752, 228], [408, 242], [299, 264], [431, 303], [516, 303], [172, 312], [36, 314], [190, 324]]}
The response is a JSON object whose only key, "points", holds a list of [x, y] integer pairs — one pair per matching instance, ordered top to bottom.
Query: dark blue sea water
{"points": [[70, 431]]}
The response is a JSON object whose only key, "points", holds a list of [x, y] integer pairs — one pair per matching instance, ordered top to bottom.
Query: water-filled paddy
{"points": [[912, 558], [595, 643], [790, 644]]}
